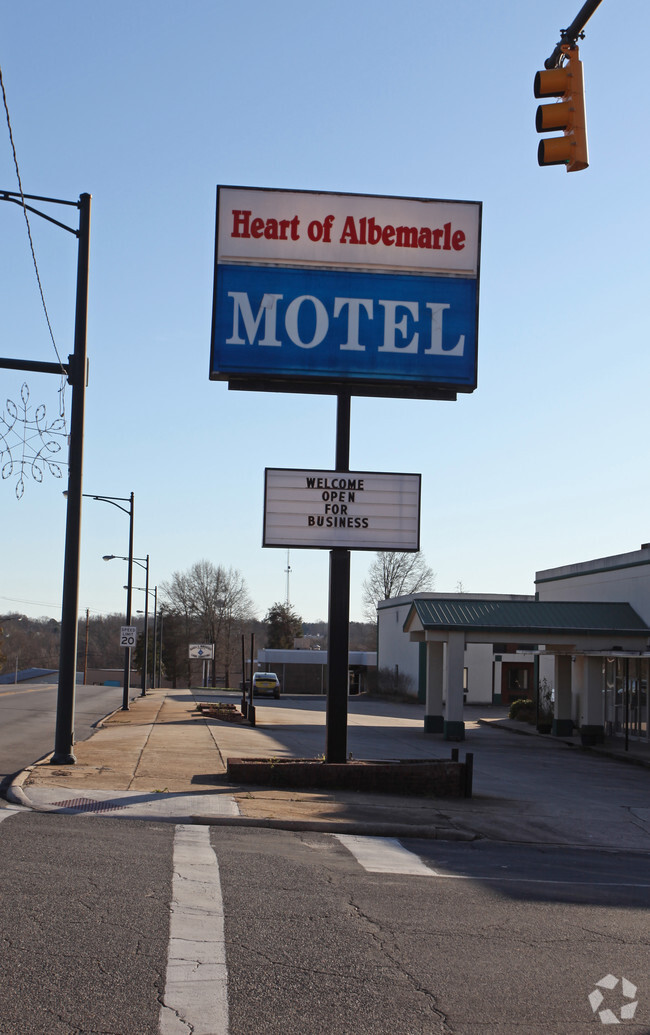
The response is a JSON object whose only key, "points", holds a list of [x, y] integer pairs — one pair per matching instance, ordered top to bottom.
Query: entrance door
{"points": [[516, 681]]}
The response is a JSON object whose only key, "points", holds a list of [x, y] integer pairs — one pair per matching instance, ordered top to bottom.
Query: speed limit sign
{"points": [[127, 635]]}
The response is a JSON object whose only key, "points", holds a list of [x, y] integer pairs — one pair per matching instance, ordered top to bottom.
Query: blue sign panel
{"points": [[357, 326]]}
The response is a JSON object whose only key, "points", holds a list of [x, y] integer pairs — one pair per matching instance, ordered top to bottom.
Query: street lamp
{"points": [[116, 501], [142, 562], [154, 593], [13, 618], [160, 663]]}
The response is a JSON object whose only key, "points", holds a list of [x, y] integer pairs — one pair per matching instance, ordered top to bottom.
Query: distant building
{"points": [[305, 671]]}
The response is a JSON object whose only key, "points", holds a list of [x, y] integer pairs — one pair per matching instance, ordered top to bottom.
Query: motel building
{"points": [[586, 631]]}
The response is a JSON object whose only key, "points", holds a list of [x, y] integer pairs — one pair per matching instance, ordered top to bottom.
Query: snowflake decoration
{"points": [[26, 442]]}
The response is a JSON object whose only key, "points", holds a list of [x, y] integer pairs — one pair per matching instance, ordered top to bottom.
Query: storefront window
{"points": [[626, 696]]}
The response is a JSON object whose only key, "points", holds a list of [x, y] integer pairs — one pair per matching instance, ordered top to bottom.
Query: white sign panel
{"points": [[340, 230], [355, 510], [128, 634], [201, 650]]}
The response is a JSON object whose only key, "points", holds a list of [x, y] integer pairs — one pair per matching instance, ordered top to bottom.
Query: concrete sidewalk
{"points": [[164, 760]]}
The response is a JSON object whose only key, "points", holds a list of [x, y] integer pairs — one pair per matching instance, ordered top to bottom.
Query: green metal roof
{"points": [[535, 616]]}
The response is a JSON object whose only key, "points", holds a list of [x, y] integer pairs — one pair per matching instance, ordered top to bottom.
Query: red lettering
{"points": [[240, 219], [271, 229], [328, 229], [315, 230], [374, 231], [349, 235], [388, 235], [407, 237], [458, 240], [447, 245]]}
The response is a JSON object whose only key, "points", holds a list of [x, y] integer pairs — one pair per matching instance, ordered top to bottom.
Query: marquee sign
{"points": [[319, 291], [350, 509]]}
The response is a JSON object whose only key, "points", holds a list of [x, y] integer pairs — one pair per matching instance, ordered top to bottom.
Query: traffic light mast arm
{"points": [[573, 33]]}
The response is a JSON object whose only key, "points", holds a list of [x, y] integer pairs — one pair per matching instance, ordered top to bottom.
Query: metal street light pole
{"points": [[116, 501], [142, 562], [154, 593], [155, 618], [2, 623], [160, 662], [143, 692]]}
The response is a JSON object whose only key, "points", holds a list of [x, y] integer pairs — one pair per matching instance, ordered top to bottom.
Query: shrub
{"points": [[393, 683], [522, 709]]}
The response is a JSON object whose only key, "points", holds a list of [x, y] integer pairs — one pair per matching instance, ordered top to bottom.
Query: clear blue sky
{"points": [[149, 104]]}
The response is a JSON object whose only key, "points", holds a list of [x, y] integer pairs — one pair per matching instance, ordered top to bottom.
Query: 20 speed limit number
{"points": [[127, 635]]}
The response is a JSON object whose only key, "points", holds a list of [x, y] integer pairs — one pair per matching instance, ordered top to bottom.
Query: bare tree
{"points": [[393, 574], [178, 599], [214, 604]]}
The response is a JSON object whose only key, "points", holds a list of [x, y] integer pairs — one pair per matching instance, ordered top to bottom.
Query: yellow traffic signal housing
{"points": [[567, 113]]}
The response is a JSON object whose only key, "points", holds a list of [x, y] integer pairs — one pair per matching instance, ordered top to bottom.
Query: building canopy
{"points": [[576, 625]]}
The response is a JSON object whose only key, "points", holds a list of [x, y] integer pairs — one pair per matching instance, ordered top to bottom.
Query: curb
{"points": [[598, 749], [14, 792], [324, 826]]}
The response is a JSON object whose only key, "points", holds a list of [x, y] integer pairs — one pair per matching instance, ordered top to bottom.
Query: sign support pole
{"points": [[336, 733]]}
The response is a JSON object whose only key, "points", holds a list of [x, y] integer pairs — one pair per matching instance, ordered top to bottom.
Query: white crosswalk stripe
{"points": [[10, 810], [384, 855], [196, 993]]}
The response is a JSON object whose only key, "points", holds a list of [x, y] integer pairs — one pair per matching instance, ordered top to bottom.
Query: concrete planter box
{"points": [[436, 778]]}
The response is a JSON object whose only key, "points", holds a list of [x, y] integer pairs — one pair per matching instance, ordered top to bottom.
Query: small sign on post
{"points": [[128, 635], [202, 651]]}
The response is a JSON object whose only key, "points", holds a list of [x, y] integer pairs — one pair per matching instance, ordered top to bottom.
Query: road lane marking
{"points": [[25, 690], [384, 855], [387, 855], [196, 991]]}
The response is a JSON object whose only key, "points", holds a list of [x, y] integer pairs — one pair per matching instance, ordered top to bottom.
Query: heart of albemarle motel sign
{"points": [[315, 291]]}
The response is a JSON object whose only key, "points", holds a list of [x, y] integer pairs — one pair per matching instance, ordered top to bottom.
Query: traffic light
{"points": [[567, 113]]}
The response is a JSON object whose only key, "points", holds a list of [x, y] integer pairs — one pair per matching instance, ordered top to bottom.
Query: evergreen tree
{"points": [[284, 626]]}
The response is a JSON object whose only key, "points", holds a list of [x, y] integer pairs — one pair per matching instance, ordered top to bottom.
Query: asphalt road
{"points": [[28, 717], [84, 921], [331, 935], [481, 938]]}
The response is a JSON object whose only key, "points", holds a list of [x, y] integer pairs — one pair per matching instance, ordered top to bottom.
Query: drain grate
{"points": [[88, 805]]}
